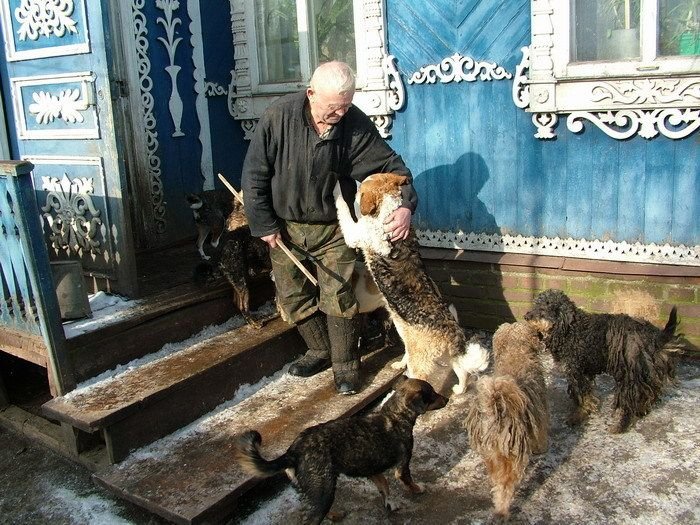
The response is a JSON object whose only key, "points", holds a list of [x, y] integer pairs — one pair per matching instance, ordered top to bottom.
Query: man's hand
{"points": [[398, 224], [271, 239]]}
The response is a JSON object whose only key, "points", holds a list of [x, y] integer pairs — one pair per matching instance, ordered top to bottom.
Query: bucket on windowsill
{"points": [[70, 290]]}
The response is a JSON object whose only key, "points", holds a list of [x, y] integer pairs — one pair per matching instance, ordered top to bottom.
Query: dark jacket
{"points": [[289, 173]]}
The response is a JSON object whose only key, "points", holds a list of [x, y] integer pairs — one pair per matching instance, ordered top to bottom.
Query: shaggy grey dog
{"points": [[640, 357]]}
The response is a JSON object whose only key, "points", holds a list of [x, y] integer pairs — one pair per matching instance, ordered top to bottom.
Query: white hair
{"points": [[336, 77]]}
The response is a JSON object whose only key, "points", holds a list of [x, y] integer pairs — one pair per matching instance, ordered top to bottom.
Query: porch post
{"points": [[36, 260]]}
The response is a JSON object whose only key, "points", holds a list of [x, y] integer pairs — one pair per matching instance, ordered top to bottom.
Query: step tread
{"points": [[153, 306], [99, 404], [154, 479]]}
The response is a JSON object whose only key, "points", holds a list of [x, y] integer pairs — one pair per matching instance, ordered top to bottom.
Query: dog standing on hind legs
{"points": [[429, 331], [640, 357], [507, 415], [360, 446]]}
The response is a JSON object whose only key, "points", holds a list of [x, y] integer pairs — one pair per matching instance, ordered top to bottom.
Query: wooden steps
{"points": [[172, 315], [148, 402], [190, 477]]}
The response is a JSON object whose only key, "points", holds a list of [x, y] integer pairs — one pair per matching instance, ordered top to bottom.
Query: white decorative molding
{"points": [[44, 20], [140, 33], [170, 43], [458, 68], [199, 74], [392, 79], [212, 89], [380, 90], [647, 91], [648, 96], [67, 106], [74, 106], [623, 124], [74, 206], [72, 217], [579, 248]]}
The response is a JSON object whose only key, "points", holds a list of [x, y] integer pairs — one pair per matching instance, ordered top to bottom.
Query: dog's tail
{"points": [[672, 324], [475, 359], [247, 454]]}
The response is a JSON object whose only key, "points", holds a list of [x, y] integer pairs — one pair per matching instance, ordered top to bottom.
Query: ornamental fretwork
{"points": [[45, 18], [644, 96], [647, 107], [73, 219]]}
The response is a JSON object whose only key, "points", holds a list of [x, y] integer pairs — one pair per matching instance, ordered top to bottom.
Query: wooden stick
{"points": [[279, 241]]}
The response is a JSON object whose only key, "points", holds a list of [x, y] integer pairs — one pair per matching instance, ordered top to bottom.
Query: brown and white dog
{"points": [[430, 332], [508, 417]]}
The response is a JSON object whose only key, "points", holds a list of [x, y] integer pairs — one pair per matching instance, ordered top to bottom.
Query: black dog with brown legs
{"points": [[359, 446]]}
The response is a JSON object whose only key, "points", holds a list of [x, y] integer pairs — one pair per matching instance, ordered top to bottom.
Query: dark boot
{"points": [[314, 331], [343, 334]]}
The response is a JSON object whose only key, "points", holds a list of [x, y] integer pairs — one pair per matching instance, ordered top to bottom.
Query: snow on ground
{"points": [[649, 475]]}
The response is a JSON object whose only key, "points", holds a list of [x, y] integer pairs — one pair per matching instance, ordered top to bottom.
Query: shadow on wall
{"points": [[449, 200]]}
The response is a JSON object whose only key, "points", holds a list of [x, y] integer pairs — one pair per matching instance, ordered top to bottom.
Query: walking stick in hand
{"points": [[279, 241]]}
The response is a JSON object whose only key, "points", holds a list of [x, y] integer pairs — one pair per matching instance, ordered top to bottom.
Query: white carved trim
{"points": [[44, 18], [37, 22], [140, 33], [170, 43], [458, 68], [213, 89], [380, 91], [647, 97], [201, 104], [69, 105], [623, 124], [76, 224], [580, 248]]}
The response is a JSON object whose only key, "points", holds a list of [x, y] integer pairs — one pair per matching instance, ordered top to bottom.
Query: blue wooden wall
{"points": [[478, 167]]}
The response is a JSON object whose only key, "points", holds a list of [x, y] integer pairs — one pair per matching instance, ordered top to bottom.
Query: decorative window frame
{"points": [[379, 91], [646, 98]]}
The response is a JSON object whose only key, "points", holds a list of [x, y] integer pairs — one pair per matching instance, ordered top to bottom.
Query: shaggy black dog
{"points": [[639, 356]]}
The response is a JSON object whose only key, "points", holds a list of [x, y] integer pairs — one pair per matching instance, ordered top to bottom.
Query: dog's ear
{"points": [[398, 180], [369, 202], [399, 381]]}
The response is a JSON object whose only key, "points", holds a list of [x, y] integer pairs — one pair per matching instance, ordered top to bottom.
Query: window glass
{"points": [[679, 27], [606, 30], [335, 31], [278, 41]]}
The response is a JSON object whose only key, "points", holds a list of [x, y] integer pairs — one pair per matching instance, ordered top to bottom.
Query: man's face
{"points": [[329, 108]]}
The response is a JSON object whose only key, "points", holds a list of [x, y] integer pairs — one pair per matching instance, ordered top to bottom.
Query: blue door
{"points": [[59, 104]]}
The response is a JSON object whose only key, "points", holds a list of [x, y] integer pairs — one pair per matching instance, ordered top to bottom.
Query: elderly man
{"points": [[303, 144]]}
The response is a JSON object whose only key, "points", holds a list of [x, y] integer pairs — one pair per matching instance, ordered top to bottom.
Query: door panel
{"points": [[56, 73]]}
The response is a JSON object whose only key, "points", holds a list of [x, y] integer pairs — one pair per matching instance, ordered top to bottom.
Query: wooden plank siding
{"points": [[478, 166]]}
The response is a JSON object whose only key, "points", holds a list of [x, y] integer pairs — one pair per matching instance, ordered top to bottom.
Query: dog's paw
{"points": [[205, 257], [398, 365], [458, 389], [576, 418], [415, 488], [390, 505], [335, 515]]}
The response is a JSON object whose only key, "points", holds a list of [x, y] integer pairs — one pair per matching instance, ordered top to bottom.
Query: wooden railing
{"points": [[29, 309]]}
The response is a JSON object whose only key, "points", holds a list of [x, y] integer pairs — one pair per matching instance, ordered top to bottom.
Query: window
{"points": [[293, 37], [278, 44], [628, 66]]}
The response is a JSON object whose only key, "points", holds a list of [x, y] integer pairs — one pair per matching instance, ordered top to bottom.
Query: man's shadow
{"points": [[449, 195]]}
